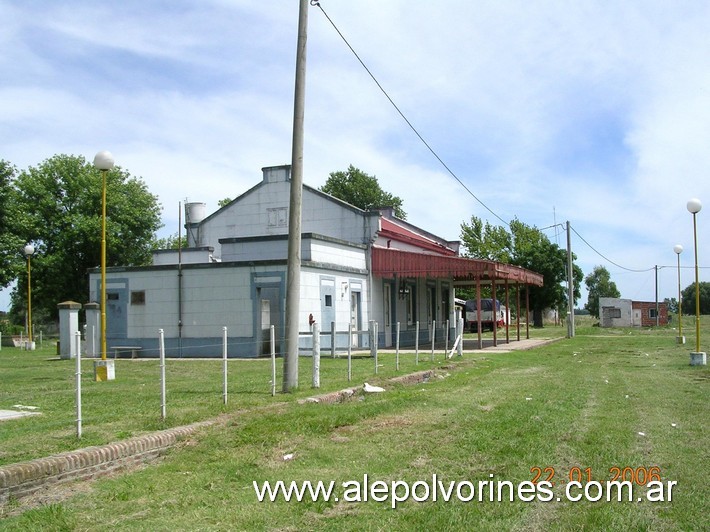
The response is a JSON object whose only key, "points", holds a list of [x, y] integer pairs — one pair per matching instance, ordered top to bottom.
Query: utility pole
{"points": [[293, 274], [570, 284]]}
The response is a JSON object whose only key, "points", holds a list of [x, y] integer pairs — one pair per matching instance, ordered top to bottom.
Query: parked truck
{"points": [[490, 318]]}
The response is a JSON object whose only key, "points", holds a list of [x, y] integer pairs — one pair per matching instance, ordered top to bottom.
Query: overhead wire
{"points": [[401, 114], [436, 155]]}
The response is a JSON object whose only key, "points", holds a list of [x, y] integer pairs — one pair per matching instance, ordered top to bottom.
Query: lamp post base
{"points": [[680, 340], [698, 359], [104, 370]]}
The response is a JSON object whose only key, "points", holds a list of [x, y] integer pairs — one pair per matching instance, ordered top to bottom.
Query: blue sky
{"points": [[593, 112]]}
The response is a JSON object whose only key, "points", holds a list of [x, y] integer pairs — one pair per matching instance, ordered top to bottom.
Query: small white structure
{"points": [[356, 266], [615, 312]]}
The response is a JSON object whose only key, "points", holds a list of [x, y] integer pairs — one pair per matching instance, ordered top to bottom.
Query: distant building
{"points": [[616, 312]]}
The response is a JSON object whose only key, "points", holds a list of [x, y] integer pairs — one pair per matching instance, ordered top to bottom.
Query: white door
{"points": [[355, 317]]}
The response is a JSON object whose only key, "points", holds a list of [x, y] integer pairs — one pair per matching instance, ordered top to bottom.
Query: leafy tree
{"points": [[361, 190], [224, 202], [60, 203], [170, 242], [11, 244], [528, 247], [599, 284], [688, 305]]}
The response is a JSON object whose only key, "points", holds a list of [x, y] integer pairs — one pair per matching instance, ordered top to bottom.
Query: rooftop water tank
{"points": [[194, 212]]}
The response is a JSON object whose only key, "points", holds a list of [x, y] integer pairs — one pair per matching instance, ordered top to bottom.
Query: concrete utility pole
{"points": [[293, 274], [570, 284]]}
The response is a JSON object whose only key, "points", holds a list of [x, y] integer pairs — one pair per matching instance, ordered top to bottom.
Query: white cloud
{"points": [[599, 111]]}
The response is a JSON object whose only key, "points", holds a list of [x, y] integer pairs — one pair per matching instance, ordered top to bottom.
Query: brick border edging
{"points": [[26, 478]]}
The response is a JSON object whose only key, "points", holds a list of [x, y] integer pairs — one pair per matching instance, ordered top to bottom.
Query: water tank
{"points": [[194, 212]]}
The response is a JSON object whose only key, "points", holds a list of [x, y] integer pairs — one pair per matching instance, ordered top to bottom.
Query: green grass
{"points": [[576, 403]]}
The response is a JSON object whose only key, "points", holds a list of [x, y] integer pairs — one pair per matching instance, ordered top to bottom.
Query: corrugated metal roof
{"points": [[391, 229], [393, 262]]}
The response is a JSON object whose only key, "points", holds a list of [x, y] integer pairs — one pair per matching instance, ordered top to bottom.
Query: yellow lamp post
{"points": [[104, 162], [678, 249], [29, 250], [697, 357]]}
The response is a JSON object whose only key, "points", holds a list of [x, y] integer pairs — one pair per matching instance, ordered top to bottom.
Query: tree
{"points": [[361, 190], [59, 202], [174, 241], [11, 244], [525, 246], [599, 284], [688, 305]]}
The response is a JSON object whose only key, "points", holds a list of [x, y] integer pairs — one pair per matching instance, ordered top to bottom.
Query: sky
{"points": [[596, 113]]}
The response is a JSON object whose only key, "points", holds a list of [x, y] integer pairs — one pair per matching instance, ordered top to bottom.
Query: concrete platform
{"points": [[15, 414]]}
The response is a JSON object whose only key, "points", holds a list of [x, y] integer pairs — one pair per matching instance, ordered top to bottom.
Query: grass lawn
{"points": [[579, 407]]}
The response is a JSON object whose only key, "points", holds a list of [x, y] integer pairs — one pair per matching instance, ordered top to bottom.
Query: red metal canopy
{"points": [[388, 263]]}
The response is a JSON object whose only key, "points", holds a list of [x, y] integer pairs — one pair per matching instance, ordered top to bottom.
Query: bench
{"points": [[119, 350]]}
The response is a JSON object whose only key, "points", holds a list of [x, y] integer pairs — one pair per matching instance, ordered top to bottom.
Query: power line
{"points": [[399, 111], [438, 158], [607, 258]]}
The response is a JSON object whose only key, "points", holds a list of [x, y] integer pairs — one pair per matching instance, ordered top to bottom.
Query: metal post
{"points": [[103, 264], [656, 268], [697, 288], [293, 290], [29, 304], [461, 335], [446, 337], [272, 338], [332, 338], [433, 338], [374, 343], [416, 343], [397, 349], [350, 352], [316, 355], [224, 364], [78, 384], [163, 407]]}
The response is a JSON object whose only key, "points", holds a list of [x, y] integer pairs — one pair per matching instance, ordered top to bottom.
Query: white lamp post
{"points": [[104, 162], [678, 249], [29, 250], [697, 357]]}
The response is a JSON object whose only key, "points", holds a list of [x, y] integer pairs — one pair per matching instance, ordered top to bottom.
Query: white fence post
{"points": [[460, 333], [272, 337], [332, 338], [433, 338], [446, 338], [373, 342], [416, 344], [396, 351], [350, 352], [316, 355], [224, 365], [78, 384], [163, 407]]}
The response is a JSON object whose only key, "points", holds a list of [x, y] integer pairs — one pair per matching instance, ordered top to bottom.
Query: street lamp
{"points": [[104, 162], [678, 249], [29, 251], [697, 358]]}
